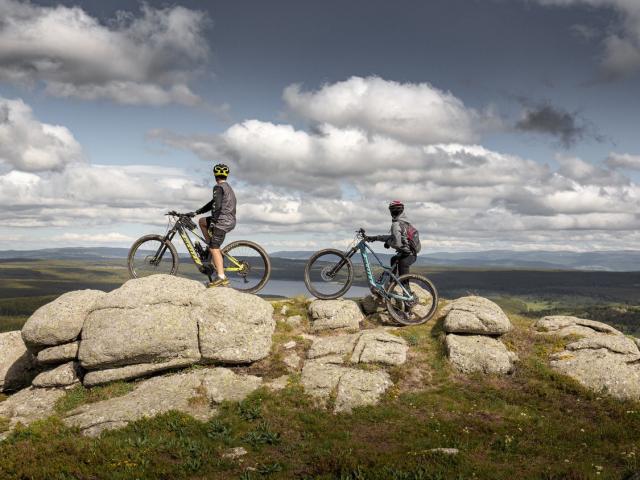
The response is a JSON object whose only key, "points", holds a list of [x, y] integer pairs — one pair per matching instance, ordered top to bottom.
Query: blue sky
{"points": [[501, 124]]}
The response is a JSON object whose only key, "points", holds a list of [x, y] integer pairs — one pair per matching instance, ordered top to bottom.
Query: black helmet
{"points": [[221, 170], [396, 207]]}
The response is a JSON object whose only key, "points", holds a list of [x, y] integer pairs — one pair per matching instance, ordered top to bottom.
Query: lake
{"points": [[291, 288]]}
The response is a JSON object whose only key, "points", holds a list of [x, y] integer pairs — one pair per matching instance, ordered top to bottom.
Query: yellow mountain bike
{"points": [[246, 263]]}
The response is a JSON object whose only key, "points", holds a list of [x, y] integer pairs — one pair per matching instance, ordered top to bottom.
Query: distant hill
{"points": [[68, 253], [608, 261], [612, 261]]}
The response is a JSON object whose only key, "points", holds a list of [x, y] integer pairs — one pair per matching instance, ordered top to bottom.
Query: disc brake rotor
{"points": [[326, 275]]}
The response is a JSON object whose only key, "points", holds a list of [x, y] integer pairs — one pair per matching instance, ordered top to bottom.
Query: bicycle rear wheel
{"points": [[150, 255], [246, 265], [328, 274], [421, 308]]}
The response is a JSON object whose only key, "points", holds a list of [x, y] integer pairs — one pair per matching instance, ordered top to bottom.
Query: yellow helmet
{"points": [[221, 170]]}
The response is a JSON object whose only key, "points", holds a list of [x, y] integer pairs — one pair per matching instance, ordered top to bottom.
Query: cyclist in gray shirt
{"points": [[221, 221], [405, 256]]}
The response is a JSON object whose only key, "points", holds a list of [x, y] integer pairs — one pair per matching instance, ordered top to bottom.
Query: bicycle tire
{"points": [[147, 238], [262, 253], [308, 281], [425, 284]]}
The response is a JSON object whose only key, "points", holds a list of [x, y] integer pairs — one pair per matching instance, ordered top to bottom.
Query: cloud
{"points": [[621, 47], [145, 59], [410, 112], [546, 119], [27, 144], [623, 160], [339, 174], [101, 238]]}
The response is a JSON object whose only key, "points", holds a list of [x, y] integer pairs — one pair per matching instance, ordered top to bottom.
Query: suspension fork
{"points": [[157, 258], [334, 271]]}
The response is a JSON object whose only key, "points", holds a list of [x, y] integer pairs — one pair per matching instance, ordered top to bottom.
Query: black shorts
{"points": [[217, 235]]}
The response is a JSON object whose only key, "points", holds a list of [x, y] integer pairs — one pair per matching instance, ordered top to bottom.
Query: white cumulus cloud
{"points": [[132, 59], [410, 112], [29, 145]]}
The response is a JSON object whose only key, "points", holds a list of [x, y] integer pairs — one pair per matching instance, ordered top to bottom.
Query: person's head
{"points": [[221, 172], [396, 207]]}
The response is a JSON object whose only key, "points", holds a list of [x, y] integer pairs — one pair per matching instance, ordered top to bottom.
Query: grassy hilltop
{"points": [[532, 424]]}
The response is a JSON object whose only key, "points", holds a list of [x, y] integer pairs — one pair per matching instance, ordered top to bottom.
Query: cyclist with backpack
{"points": [[221, 221], [404, 238]]}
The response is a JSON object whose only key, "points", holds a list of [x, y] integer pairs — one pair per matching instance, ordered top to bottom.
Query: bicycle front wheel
{"points": [[150, 255], [246, 265], [328, 274], [420, 308]]}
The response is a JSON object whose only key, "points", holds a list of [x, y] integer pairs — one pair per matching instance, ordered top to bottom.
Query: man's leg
{"points": [[204, 226], [217, 237], [216, 254], [404, 264]]}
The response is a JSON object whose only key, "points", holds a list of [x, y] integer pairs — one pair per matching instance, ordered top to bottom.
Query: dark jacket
{"points": [[222, 206]]}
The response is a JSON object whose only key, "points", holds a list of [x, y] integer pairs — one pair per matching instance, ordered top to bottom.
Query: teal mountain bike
{"points": [[410, 299]]}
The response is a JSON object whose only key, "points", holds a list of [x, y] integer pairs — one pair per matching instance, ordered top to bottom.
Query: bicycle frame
{"points": [[182, 229], [362, 248]]}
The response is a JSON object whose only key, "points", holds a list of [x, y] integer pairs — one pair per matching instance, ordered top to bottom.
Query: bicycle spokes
{"points": [[149, 258], [246, 266], [328, 274]]}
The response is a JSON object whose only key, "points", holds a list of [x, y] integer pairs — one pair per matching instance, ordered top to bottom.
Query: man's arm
{"points": [[204, 208]]}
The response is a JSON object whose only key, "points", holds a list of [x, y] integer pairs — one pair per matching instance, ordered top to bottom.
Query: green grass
{"points": [[9, 323], [80, 395]]}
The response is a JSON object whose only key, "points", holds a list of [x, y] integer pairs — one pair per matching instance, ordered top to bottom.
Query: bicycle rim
{"points": [[143, 260], [246, 265], [328, 274], [421, 308]]}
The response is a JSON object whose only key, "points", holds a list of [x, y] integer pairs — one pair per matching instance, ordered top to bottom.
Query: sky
{"points": [[501, 124]]}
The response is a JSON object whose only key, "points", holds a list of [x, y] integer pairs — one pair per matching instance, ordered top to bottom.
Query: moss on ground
{"points": [[80, 395]]}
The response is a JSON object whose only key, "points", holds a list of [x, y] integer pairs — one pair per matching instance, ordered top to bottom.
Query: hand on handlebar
{"points": [[173, 213]]}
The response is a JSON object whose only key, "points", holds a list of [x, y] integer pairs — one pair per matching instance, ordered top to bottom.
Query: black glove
{"points": [[387, 244]]}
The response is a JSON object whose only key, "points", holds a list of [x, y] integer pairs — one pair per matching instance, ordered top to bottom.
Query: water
{"points": [[291, 288]]}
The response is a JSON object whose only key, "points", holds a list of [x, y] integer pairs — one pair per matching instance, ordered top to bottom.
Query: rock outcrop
{"points": [[335, 315], [476, 316], [60, 321], [472, 325], [564, 325], [146, 326], [233, 327], [114, 337], [369, 346], [59, 353], [479, 353], [602, 358], [17, 364], [327, 369], [63, 375], [352, 387], [196, 392], [29, 405]]}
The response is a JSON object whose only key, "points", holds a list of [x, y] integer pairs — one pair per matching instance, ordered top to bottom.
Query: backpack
{"points": [[413, 237]]}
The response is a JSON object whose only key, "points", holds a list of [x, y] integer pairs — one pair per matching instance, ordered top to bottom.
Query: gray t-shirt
{"points": [[226, 219]]}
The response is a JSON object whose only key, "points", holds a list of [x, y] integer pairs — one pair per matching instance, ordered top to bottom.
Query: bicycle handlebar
{"points": [[173, 213]]}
